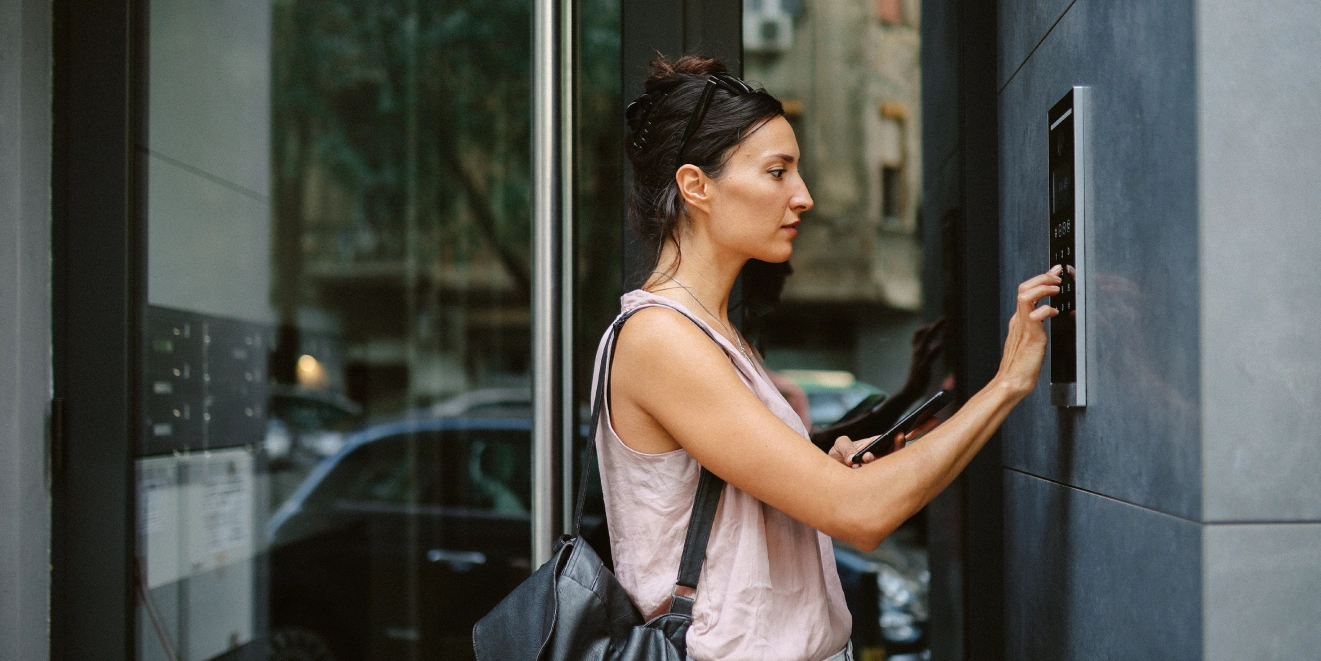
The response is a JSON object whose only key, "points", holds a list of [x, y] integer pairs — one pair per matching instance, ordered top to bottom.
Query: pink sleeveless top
{"points": [[769, 590]]}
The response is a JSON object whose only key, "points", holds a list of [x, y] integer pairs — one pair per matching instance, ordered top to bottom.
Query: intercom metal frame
{"points": [[1074, 110]]}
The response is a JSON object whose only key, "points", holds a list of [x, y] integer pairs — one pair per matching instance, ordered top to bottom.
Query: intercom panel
{"points": [[1069, 182]]}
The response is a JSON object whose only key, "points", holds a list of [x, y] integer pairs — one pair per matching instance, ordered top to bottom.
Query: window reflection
{"points": [[337, 339]]}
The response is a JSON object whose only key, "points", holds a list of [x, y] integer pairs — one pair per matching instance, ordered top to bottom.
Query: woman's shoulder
{"points": [[654, 313], [666, 328], [659, 340]]}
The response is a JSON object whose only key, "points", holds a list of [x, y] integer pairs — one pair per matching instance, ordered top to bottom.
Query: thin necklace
{"points": [[737, 342]]}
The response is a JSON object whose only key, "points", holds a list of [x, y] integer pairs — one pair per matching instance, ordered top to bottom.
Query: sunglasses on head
{"points": [[730, 84], [638, 113]]}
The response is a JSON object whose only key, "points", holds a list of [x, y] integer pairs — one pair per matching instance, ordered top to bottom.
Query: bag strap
{"points": [[603, 370], [709, 486], [705, 503]]}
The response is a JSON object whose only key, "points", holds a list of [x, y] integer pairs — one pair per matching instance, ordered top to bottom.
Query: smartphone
{"points": [[885, 442]]}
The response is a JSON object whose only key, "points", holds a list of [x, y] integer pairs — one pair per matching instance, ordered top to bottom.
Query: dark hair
{"points": [[657, 120]]}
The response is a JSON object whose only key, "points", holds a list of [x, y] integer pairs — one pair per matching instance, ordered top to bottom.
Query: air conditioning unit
{"points": [[768, 25]]}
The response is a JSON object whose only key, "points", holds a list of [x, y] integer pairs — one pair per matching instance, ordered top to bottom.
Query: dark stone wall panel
{"points": [[1023, 24], [940, 89], [1138, 440], [1088, 577]]}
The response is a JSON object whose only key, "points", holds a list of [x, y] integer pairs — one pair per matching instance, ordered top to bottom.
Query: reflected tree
{"points": [[414, 113], [401, 152]]}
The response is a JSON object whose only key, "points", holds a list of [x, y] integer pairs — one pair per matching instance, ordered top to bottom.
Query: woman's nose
{"points": [[802, 199]]}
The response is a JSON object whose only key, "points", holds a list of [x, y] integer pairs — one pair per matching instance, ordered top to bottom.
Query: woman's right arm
{"points": [[672, 387]]}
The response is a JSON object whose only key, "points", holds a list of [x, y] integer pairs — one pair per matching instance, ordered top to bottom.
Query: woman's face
{"points": [[756, 202]]}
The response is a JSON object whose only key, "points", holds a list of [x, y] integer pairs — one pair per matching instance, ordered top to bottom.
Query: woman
{"points": [[716, 182]]}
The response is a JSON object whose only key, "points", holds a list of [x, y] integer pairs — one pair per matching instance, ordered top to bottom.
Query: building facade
{"points": [[279, 280]]}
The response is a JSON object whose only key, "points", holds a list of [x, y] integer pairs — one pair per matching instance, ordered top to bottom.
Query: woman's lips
{"points": [[792, 228]]}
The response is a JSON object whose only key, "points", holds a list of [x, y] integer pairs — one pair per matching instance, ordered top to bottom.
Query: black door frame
{"points": [[97, 294]]}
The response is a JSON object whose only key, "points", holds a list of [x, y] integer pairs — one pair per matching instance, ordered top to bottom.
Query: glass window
{"points": [[892, 193], [598, 203], [337, 337], [376, 473], [495, 478]]}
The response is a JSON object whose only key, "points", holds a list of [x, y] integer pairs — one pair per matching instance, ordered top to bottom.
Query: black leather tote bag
{"points": [[573, 609]]}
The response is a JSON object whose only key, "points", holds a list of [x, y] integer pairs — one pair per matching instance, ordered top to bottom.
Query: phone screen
{"points": [[885, 442]]}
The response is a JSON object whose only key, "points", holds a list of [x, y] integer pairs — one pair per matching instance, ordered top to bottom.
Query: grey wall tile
{"points": [[1023, 24], [210, 88], [1259, 101], [25, 326], [1138, 439], [1088, 577], [1261, 591]]}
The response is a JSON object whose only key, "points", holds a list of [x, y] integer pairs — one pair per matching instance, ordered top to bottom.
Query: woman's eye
{"points": [[777, 173]]}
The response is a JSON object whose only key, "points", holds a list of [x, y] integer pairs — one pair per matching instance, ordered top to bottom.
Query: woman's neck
{"points": [[694, 272]]}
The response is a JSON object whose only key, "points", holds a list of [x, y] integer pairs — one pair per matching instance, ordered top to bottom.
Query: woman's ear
{"points": [[695, 187]]}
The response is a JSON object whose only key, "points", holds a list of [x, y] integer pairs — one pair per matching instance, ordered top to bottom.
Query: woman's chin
{"points": [[774, 252], [780, 254], [772, 256]]}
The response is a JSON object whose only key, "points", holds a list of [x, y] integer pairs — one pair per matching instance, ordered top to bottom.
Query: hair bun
{"points": [[666, 75]]}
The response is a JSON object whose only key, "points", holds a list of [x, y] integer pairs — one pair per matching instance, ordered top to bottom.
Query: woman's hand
{"points": [[1025, 346], [845, 448]]}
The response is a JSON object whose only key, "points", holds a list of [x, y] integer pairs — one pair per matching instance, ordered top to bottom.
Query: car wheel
{"points": [[292, 643]]}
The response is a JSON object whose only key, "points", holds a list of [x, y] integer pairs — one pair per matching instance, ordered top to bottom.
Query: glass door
{"points": [[336, 348]]}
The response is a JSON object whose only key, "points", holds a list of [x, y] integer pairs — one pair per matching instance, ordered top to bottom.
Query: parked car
{"points": [[475, 401], [305, 425], [395, 546]]}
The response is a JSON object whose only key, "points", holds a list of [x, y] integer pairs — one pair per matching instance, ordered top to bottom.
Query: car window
{"points": [[309, 414], [474, 469], [483, 469], [375, 472]]}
